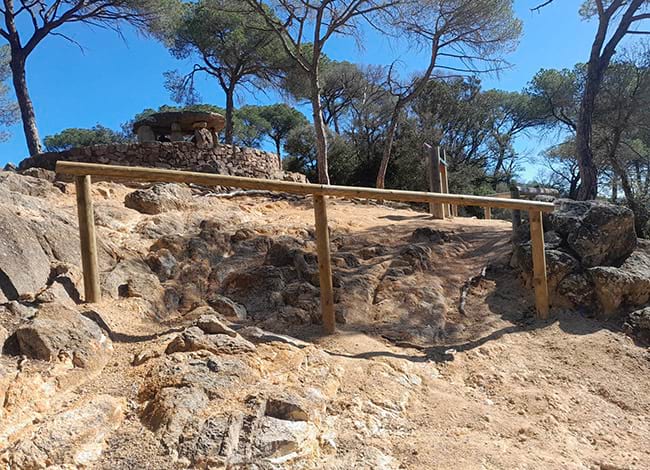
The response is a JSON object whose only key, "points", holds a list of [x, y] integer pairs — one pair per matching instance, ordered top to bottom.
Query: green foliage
{"points": [[229, 43], [8, 107], [276, 121], [250, 126], [76, 137], [620, 141], [301, 155]]}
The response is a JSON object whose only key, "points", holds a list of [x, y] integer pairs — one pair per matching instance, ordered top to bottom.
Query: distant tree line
{"points": [[366, 125]]}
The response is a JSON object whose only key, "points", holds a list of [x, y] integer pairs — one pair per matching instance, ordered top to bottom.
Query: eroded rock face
{"points": [[159, 198], [600, 234], [37, 238], [593, 258], [24, 266], [627, 285], [639, 323], [57, 332], [194, 339], [216, 411], [74, 437]]}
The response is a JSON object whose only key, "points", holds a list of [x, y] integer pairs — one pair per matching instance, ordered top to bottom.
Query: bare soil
{"points": [[493, 388], [503, 391]]}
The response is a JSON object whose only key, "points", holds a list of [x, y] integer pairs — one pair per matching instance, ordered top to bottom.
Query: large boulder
{"points": [[159, 198], [599, 233], [594, 260], [24, 266], [627, 285], [57, 333]]}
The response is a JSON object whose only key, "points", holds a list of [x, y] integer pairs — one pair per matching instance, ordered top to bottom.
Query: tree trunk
{"points": [[17, 65], [402, 101], [230, 107], [319, 127], [388, 148], [277, 150], [573, 188], [588, 188]]}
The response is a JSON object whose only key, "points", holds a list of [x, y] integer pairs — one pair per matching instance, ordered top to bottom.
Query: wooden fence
{"points": [[83, 172]]}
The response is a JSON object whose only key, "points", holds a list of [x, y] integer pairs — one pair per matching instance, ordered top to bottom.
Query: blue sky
{"points": [[112, 79]]}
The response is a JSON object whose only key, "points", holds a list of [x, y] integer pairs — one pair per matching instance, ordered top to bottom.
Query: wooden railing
{"points": [[83, 172]]}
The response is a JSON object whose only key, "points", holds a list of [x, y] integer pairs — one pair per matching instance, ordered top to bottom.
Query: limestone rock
{"points": [[41, 173], [27, 185], [159, 198], [601, 234], [429, 235], [559, 264], [24, 266], [132, 278], [627, 285], [577, 289], [57, 293], [227, 307], [639, 322], [212, 325], [57, 332], [4, 334], [257, 335], [193, 339], [144, 356], [217, 376], [172, 409], [289, 409], [73, 438], [279, 441], [215, 442]]}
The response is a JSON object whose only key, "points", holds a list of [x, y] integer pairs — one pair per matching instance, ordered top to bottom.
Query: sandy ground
{"points": [[506, 392]]}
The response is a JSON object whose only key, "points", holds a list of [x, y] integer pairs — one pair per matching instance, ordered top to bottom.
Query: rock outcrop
{"points": [[159, 198], [599, 233], [594, 260], [57, 333], [73, 438]]}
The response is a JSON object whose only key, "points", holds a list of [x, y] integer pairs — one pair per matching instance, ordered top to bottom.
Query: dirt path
{"points": [[492, 389]]}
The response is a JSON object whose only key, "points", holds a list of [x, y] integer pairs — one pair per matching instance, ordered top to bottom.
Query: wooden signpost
{"points": [[438, 181]]}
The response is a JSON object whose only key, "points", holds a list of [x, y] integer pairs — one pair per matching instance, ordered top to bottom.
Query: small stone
{"points": [[227, 307], [211, 324], [257, 335], [193, 339], [144, 356], [286, 408]]}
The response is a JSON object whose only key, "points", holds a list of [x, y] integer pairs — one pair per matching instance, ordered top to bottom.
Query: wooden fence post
{"points": [[435, 183], [445, 189], [452, 210], [488, 213], [516, 213], [539, 264], [324, 265], [92, 292]]}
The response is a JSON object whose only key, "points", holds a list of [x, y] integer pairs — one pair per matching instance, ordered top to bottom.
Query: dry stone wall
{"points": [[222, 159]]}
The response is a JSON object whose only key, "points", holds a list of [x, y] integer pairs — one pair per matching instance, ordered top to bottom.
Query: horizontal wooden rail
{"points": [[84, 171], [209, 179]]}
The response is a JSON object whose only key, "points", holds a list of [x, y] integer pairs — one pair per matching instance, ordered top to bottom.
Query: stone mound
{"points": [[593, 257]]}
